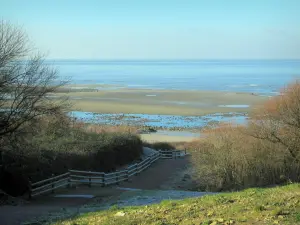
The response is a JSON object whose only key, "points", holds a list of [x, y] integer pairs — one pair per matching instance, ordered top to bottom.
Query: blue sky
{"points": [[160, 29]]}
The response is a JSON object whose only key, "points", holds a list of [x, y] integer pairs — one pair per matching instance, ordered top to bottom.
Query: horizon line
{"points": [[151, 59]]}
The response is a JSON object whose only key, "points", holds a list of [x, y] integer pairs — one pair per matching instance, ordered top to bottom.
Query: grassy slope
{"points": [[280, 205]]}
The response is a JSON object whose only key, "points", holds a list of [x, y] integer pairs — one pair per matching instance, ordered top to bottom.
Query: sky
{"points": [[159, 29]]}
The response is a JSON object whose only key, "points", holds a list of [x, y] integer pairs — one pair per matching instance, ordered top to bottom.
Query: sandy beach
{"points": [[111, 99], [151, 138]]}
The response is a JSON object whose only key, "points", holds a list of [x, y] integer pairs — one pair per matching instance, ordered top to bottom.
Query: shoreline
{"points": [[75, 87], [157, 101], [148, 122]]}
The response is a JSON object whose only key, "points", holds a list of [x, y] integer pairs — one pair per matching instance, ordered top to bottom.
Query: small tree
{"points": [[26, 82], [278, 121]]}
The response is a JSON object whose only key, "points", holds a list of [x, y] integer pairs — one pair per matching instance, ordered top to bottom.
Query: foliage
{"points": [[26, 82], [278, 121], [36, 139], [160, 145], [55, 146], [266, 152]]}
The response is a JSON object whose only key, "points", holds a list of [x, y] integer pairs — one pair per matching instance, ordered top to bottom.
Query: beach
{"points": [[171, 95], [112, 99], [176, 115]]}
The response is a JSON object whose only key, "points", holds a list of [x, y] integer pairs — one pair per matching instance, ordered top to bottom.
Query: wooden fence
{"points": [[172, 154], [99, 178], [49, 185]]}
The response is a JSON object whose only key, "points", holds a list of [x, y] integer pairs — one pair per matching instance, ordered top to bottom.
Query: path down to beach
{"points": [[157, 174], [140, 190]]}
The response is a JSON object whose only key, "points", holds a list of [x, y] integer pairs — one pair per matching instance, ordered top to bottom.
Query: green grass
{"points": [[280, 205]]}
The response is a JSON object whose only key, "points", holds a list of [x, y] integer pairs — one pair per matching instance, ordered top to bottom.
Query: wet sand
{"points": [[111, 99], [152, 138]]}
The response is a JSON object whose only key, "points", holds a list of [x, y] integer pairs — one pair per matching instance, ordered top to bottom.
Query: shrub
{"points": [[278, 121], [160, 145], [53, 147], [116, 149], [266, 152], [230, 159]]}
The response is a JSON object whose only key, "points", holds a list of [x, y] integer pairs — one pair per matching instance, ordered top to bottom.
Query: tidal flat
{"points": [[114, 99], [169, 112], [171, 122]]}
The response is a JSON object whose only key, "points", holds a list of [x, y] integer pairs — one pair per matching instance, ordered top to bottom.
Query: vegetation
{"points": [[25, 83], [279, 122], [37, 140], [160, 145], [55, 146], [266, 152], [279, 205]]}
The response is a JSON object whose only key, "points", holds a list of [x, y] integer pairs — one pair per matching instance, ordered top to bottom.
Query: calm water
{"points": [[259, 76], [163, 121]]}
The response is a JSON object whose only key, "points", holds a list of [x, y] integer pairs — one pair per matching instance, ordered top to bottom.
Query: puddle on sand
{"points": [[235, 106], [159, 121], [177, 133]]}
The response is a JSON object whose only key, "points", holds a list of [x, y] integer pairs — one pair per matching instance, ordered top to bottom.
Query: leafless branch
{"points": [[25, 82]]}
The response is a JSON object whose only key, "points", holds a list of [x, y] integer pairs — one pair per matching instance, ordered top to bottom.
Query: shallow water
{"points": [[263, 77], [235, 106], [163, 121], [178, 133]]}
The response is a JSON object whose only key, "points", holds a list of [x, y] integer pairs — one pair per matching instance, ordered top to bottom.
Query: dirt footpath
{"points": [[157, 174], [152, 178], [48, 205], [13, 215]]}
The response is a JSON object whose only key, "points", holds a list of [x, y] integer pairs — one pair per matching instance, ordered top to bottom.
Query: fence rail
{"points": [[99, 178], [49, 185]]}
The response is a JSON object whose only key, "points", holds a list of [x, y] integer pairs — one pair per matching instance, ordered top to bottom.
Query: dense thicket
{"points": [[37, 140], [266, 152]]}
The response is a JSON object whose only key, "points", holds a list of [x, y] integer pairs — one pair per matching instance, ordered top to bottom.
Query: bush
{"points": [[278, 121], [160, 145], [54, 146], [116, 149], [267, 152], [230, 159], [14, 183]]}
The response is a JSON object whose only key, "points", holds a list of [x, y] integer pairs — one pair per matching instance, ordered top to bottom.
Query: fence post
{"points": [[136, 169], [127, 175], [117, 179], [69, 180], [90, 180], [103, 180], [52, 185], [30, 190]]}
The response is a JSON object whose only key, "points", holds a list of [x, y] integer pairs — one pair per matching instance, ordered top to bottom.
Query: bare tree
{"points": [[26, 82], [278, 121]]}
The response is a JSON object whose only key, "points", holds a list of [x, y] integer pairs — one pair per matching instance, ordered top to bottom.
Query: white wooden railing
{"points": [[99, 178], [49, 185]]}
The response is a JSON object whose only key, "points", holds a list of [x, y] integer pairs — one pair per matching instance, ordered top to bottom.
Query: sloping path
{"points": [[156, 175], [150, 179], [15, 215]]}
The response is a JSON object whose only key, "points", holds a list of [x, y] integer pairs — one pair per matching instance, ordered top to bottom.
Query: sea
{"points": [[263, 77]]}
